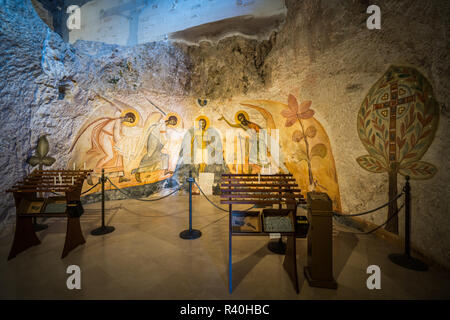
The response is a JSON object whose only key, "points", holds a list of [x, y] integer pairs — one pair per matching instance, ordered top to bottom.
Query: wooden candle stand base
{"points": [[29, 206]]}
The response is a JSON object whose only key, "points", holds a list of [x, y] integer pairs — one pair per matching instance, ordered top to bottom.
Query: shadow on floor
{"points": [[343, 245], [244, 266]]}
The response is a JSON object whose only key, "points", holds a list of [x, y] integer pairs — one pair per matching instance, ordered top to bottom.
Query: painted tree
{"points": [[396, 123]]}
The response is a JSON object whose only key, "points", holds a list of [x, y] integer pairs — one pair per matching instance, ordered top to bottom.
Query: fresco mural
{"points": [[396, 123], [163, 141], [128, 142], [200, 142], [142, 143], [247, 146], [305, 149]]}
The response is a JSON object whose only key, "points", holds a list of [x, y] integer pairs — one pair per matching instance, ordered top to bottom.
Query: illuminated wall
{"points": [[310, 80], [137, 142]]}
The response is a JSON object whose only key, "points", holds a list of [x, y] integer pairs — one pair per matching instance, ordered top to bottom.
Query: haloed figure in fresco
{"points": [[243, 123], [202, 124], [105, 136], [200, 142], [173, 143], [252, 144], [159, 147]]}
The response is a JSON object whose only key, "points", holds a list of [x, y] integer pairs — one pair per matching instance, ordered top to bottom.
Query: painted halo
{"points": [[239, 112], [173, 114], [136, 116], [204, 118]]}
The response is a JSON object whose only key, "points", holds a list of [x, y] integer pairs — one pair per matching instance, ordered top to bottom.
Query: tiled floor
{"points": [[146, 259]]}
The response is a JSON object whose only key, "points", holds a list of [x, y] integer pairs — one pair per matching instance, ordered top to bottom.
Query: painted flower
{"points": [[295, 112]]}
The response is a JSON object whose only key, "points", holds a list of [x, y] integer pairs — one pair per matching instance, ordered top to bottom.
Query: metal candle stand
{"points": [[103, 229], [190, 234], [405, 260]]}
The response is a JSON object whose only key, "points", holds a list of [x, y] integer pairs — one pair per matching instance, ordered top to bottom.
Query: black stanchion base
{"points": [[39, 227], [102, 230], [190, 234], [277, 246], [408, 262]]}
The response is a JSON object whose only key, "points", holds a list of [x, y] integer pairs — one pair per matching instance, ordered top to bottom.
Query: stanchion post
{"points": [[190, 180], [103, 198], [407, 217], [103, 229], [190, 233], [405, 260]]}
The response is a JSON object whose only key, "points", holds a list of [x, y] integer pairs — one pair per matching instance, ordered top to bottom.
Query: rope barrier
{"points": [[91, 188], [178, 189], [62, 195], [208, 198], [139, 199], [214, 203], [222, 209], [369, 211], [378, 227]]}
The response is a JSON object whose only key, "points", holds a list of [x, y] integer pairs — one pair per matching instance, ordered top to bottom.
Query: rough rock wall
{"points": [[324, 53], [234, 66], [19, 68], [47, 86]]}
